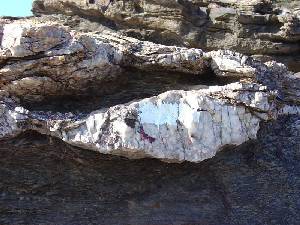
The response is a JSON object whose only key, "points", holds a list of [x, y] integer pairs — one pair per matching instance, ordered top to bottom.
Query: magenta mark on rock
{"points": [[145, 136]]}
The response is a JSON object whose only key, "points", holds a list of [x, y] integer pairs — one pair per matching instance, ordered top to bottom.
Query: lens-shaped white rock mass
{"points": [[174, 126]]}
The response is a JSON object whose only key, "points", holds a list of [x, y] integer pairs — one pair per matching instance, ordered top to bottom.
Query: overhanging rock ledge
{"points": [[41, 58]]}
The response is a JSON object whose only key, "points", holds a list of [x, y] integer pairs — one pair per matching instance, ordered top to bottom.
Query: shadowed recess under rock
{"points": [[136, 85]]}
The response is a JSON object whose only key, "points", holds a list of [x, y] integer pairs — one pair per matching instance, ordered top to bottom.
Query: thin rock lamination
{"points": [[262, 28], [49, 58]]}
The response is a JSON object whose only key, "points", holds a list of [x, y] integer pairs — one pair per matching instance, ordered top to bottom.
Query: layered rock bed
{"points": [[263, 28], [176, 81]]}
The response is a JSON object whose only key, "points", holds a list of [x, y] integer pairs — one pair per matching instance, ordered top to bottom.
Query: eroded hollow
{"points": [[139, 85]]}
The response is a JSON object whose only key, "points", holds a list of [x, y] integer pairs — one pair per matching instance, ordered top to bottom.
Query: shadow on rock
{"points": [[44, 181]]}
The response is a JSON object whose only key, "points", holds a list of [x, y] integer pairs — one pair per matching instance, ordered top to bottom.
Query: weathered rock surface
{"points": [[256, 27], [44, 58], [47, 59], [76, 81], [174, 126], [48, 182]]}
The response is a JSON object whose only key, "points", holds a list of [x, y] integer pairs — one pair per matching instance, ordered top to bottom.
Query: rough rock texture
{"points": [[254, 27], [46, 59], [53, 60], [77, 82], [173, 126], [48, 182]]}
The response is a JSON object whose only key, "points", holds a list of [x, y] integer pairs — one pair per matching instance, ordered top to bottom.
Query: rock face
{"points": [[256, 27], [47, 59], [69, 62], [88, 78], [173, 126], [46, 181]]}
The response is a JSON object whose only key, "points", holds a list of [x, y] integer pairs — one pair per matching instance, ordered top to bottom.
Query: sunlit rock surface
{"points": [[263, 28], [42, 59], [55, 60], [85, 83], [173, 126]]}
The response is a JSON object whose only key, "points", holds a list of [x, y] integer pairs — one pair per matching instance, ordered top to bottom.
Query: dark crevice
{"points": [[1, 35], [39, 55], [139, 85]]}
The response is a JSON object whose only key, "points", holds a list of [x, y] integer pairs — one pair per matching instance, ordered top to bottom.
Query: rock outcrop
{"points": [[257, 27], [42, 60], [65, 62], [175, 81], [174, 126], [47, 181]]}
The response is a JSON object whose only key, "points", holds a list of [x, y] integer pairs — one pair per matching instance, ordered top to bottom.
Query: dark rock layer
{"points": [[45, 181]]}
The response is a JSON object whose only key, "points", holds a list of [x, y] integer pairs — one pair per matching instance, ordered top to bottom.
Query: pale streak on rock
{"points": [[11, 119]]}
